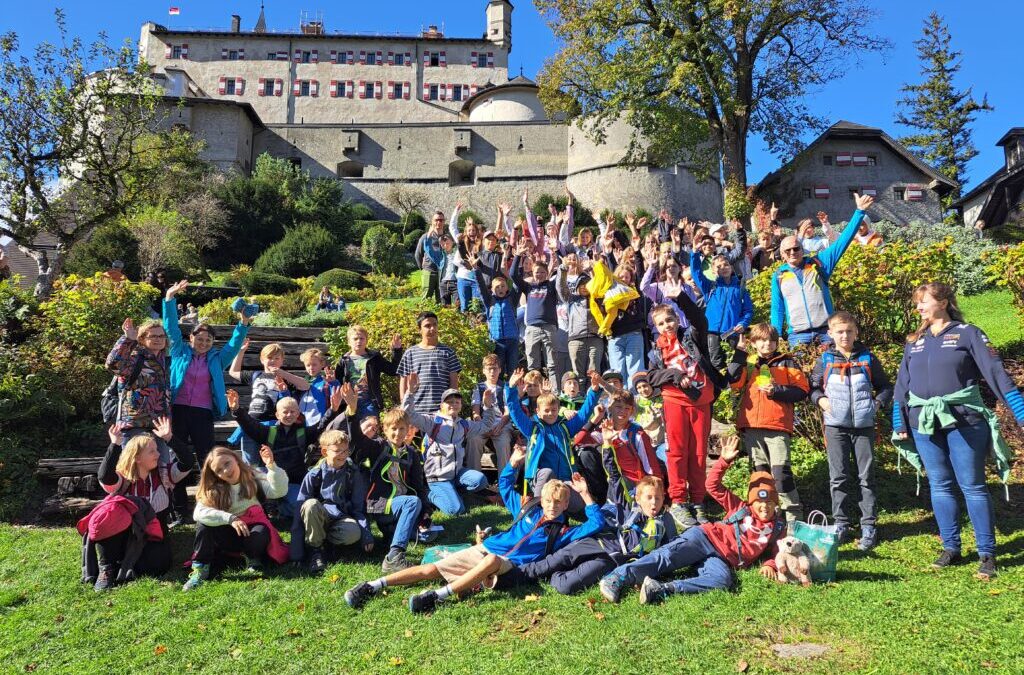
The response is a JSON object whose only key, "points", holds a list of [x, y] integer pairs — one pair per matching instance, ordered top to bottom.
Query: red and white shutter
{"points": [[167, 51], [184, 51], [224, 54], [241, 54], [298, 55], [282, 56], [314, 56], [350, 57], [362, 58], [380, 58], [391, 58], [408, 59], [426, 59], [472, 59], [490, 59], [443, 60], [221, 86], [239, 86], [278, 87], [314, 87], [297, 88], [362, 88], [334, 89], [350, 89], [378, 89], [391, 89], [261, 90], [406, 90], [472, 90], [426, 91], [442, 92], [451, 92], [465, 92], [844, 159], [860, 159], [869, 191], [821, 192], [914, 193]]}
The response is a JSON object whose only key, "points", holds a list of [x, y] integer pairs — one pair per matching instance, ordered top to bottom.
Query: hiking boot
{"points": [[681, 514], [700, 515], [843, 534], [868, 538], [947, 558], [316, 561], [395, 561], [253, 565], [986, 568], [197, 576], [106, 578], [611, 586], [652, 591], [359, 595], [422, 602]]}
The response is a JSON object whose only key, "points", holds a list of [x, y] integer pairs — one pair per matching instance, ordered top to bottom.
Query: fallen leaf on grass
{"points": [[335, 578], [995, 591], [532, 598], [590, 604], [301, 607], [599, 616], [58, 619], [201, 627], [294, 632], [408, 633], [160, 649], [235, 653], [396, 661], [742, 666], [29, 667]]}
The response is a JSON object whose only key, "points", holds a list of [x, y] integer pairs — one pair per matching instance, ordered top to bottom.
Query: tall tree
{"points": [[684, 71], [939, 112], [76, 147]]}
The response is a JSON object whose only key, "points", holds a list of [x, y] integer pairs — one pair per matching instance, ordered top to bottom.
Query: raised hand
{"points": [[863, 202], [459, 204], [773, 212], [822, 217], [174, 289], [129, 329], [396, 341], [245, 345], [328, 374], [517, 379], [596, 381], [412, 383], [349, 396], [232, 397], [488, 398], [336, 399], [598, 415], [162, 428], [608, 432], [116, 433], [730, 448], [267, 455], [518, 456], [579, 483]]}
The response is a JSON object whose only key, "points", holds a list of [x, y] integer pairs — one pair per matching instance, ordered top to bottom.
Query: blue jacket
{"points": [[727, 303], [218, 359], [549, 446], [342, 493], [527, 539]]}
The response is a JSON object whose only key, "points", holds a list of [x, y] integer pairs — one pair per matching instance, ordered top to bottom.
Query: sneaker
{"points": [[681, 514], [700, 515], [181, 521], [843, 534], [427, 535], [868, 538], [947, 558], [316, 561], [395, 561], [253, 565], [986, 568], [197, 576], [106, 579], [611, 586], [652, 591], [359, 595], [422, 602]]}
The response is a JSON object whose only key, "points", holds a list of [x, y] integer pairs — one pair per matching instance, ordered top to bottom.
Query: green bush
{"points": [[739, 202], [361, 211], [466, 214], [582, 216], [414, 221], [361, 227], [411, 239], [108, 242], [305, 249], [967, 249], [383, 252], [1005, 267], [340, 279], [259, 283], [291, 305], [17, 306], [219, 311], [312, 319], [383, 319]]}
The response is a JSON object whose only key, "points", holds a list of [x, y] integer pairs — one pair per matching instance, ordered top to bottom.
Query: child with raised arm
{"points": [[728, 306], [502, 327], [362, 368], [500, 434], [444, 446], [627, 451], [549, 453], [539, 528], [750, 531]]}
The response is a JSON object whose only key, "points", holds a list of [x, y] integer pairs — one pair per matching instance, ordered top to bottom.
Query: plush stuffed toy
{"points": [[793, 562]]}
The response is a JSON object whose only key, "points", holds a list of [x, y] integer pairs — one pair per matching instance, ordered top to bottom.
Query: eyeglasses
{"points": [[155, 336]]}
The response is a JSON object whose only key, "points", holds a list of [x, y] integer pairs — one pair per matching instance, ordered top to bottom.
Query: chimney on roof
{"points": [[236, 23], [432, 33]]}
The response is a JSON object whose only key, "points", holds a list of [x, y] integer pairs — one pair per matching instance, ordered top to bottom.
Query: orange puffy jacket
{"points": [[773, 411]]}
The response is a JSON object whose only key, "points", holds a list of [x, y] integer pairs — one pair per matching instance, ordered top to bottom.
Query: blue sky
{"points": [[987, 31]]}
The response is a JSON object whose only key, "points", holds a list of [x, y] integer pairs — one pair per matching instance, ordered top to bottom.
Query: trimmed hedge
{"points": [[305, 249], [340, 279], [260, 283]]}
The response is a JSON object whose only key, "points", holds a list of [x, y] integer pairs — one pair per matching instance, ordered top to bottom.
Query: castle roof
{"points": [[159, 29], [518, 82]]}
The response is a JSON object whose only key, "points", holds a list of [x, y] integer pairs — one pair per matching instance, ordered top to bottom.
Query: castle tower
{"points": [[499, 23]]}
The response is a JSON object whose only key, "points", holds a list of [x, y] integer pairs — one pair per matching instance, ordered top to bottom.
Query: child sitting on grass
{"points": [[332, 504], [228, 515], [539, 528], [750, 530], [631, 533]]}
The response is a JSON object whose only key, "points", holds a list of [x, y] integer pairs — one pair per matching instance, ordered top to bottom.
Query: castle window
{"points": [[176, 52], [232, 55], [271, 56], [307, 57], [371, 58], [399, 59], [435, 59], [481, 60], [229, 86], [268, 87], [304, 88], [369, 89], [397, 89], [457, 92], [433, 93], [826, 160], [350, 169], [806, 193], [899, 194]]}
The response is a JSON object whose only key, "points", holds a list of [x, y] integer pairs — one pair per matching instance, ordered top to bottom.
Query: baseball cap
{"points": [[715, 228], [612, 375], [569, 376], [450, 392]]}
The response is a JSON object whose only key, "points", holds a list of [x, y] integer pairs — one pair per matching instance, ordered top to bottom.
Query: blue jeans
{"points": [[468, 289], [808, 336], [507, 352], [626, 355], [958, 455], [444, 494], [404, 516], [690, 549]]}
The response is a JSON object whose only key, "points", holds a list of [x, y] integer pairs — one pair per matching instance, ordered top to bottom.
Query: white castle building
{"points": [[435, 113]]}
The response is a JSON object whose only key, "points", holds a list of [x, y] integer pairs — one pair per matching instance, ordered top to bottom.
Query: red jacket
{"points": [[757, 536], [276, 549]]}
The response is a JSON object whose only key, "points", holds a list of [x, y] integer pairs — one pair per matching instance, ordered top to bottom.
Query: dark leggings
{"points": [[191, 425], [212, 542], [154, 561], [574, 568]]}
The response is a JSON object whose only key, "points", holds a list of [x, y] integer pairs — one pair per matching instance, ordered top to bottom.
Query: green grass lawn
{"points": [[994, 313], [887, 613]]}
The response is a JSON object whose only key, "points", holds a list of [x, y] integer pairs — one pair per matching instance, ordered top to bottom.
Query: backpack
{"points": [[863, 361], [110, 399], [633, 438], [429, 439], [735, 519], [551, 530]]}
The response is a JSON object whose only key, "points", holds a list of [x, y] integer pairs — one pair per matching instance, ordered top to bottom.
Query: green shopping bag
{"points": [[820, 539], [435, 553]]}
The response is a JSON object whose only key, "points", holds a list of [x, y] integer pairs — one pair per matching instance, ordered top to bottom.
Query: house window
{"points": [[176, 52], [232, 55], [271, 56], [307, 57], [371, 58], [399, 59], [435, 59], [481, 60], [229, 86], [268, 87], [304, 88], [369, 90], [397, 90], [457, 92], [433, 93], [826, 160], [872, 160], [806, 193], [899, 194]]}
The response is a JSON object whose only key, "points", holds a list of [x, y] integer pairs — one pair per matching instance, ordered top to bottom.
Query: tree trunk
{"points": [[734, 157], [49, 266]]}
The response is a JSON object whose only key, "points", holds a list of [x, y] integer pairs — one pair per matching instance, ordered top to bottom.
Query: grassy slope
{"points": [[993, 311]]}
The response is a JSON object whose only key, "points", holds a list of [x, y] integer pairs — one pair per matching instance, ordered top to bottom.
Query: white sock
{"points": [[379, 584], [443, 593]]}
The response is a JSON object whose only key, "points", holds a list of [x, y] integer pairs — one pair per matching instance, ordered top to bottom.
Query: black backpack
{"points": [[111, 396]]}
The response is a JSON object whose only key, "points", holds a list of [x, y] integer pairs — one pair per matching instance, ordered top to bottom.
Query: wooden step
{"points": [[269, 333], [54, 468]]}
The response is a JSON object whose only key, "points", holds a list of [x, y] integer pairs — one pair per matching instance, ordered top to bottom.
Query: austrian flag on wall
{"points": [[843, 158], [821, 192], [915, 193]]}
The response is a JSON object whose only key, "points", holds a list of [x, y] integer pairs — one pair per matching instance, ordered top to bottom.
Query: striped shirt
{"points": [[434, 367]]}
